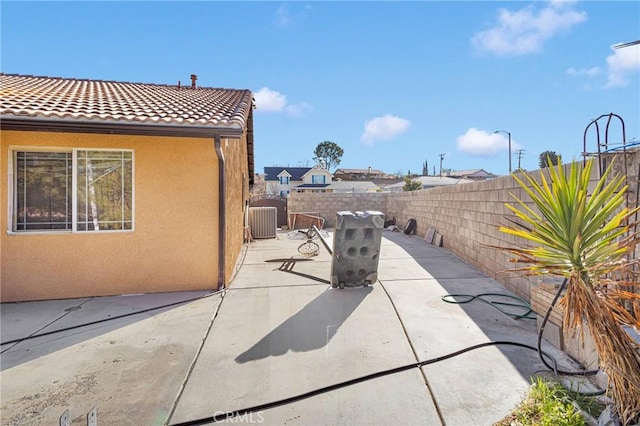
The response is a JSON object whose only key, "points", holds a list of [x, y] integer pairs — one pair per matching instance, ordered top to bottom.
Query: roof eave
{"points": [[117, 127]]}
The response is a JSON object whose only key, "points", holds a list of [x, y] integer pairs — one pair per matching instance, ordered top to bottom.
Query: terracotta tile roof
{"points": [[53, 98]]}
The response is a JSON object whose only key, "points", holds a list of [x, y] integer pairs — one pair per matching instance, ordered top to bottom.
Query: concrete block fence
{"points": [[327, 204], [467, 215]]}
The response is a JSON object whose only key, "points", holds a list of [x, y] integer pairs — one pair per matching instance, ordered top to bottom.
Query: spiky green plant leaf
{"points": [[571, 229]]}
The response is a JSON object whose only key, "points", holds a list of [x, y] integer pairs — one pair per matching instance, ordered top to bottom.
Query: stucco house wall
{"points": [[186, 156], [236, 201], [174, 241]]}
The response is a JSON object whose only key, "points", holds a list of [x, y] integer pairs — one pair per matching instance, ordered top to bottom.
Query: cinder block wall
{"points": [[327, 204], [467, 215]]}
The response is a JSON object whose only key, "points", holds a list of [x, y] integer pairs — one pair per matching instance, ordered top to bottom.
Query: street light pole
{"points": [[509, 135]]}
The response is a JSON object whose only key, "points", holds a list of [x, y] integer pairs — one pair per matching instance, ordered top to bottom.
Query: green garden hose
{"points": [[521, 304]]}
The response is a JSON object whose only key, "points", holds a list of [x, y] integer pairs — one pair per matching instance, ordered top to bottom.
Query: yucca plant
{"points": [[587, 239]]}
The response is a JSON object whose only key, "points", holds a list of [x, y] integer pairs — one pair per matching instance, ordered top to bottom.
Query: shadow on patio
{"points": [[310, 328]]}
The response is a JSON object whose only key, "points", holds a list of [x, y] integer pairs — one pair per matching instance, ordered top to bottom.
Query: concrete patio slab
{"points": [[282, 272], [72, 312], [24, 319], [436, 328], [277, 332], [300, 339], [131, 369], [499, 375], [392, 400]]}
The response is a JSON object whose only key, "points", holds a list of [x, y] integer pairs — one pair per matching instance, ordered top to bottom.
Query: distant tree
{"points": [[328, 154], [549, 158], [425, 168], [410, 184], [259, 185], [272, 188]]}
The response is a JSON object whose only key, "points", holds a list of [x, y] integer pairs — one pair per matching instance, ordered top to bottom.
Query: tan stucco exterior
{"points": [[236, 200], [174, 244]]}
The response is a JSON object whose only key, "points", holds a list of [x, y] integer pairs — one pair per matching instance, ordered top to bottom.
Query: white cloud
{"points": [[284, 17], [525, 30], [624, 62], [588, 72], [268, 100], [271, 101], [298, 110], [384, 128], [484, 144]]}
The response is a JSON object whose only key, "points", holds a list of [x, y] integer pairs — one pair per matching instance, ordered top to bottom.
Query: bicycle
{"points": [[309, 248]]}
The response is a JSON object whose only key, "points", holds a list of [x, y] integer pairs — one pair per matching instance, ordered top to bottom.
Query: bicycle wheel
{"points": [[309, 248]]}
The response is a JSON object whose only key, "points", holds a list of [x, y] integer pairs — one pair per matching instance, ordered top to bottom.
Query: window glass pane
{"points": [[105, 190], [42, 191]]}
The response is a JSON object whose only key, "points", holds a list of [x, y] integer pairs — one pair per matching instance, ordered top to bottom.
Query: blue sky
{"points": [[395, 84]]}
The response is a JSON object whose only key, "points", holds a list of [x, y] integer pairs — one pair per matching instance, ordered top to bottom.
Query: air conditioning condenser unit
{"points": [[263, 221]]}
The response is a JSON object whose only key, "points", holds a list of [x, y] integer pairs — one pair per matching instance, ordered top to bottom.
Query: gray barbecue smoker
{"points": [[356, 248]]}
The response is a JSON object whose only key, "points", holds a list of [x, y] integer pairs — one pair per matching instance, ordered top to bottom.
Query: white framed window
{"points": [[317, 179], [70, 190]]}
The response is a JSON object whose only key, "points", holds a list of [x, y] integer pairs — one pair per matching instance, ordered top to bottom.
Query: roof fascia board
{"points": [[117, 128]]}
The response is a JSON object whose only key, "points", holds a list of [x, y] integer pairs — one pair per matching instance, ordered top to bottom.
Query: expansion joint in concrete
{"points": [[415, 355], [195, 360]]}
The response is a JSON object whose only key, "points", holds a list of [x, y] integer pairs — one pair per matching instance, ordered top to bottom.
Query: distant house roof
{"points": [[26, 97], [317, 168], [359, 171], [271, 173], [472, 173], [430, 181], [313, 185], [353, 185]]}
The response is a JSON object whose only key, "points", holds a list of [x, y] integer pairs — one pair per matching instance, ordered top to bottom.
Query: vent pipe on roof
{"points": [[193, 81]]}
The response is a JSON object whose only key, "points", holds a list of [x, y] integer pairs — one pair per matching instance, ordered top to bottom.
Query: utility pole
{"points": [[520, 153], [441, 157]]}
